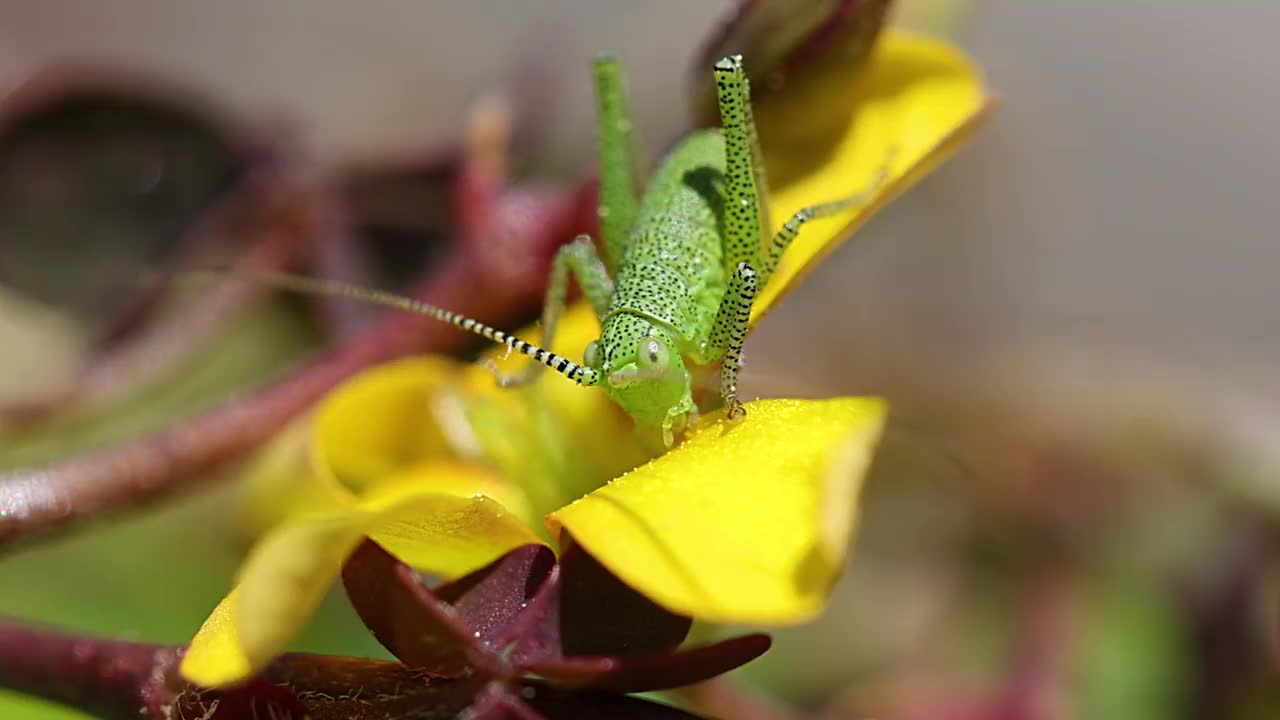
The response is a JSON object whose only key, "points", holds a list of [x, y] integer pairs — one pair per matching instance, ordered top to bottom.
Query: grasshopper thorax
{"points": [[642, 369]]}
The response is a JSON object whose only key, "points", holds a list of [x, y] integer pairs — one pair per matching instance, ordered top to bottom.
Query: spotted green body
{"points": [[686, 256], [681, 267], [672, 268], [670, 279]]}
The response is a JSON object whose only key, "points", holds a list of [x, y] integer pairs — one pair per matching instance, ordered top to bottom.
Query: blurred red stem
{"points": [[37, 500], [1046, 646], [106, 678]]}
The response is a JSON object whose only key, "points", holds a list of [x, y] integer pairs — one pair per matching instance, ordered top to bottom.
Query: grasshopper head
{"points": [[642, 370]]}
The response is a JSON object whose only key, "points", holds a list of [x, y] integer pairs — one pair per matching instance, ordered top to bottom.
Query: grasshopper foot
{"points": [[736, 409]]}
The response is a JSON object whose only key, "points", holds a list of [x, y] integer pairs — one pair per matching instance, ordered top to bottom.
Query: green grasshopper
{"points": [[687, 261]]}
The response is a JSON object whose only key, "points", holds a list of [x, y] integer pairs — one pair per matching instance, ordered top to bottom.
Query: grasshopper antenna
{"points": [[580, 374]]}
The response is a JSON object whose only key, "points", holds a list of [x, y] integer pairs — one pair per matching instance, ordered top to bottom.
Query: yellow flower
{"points": [[744, 523]]}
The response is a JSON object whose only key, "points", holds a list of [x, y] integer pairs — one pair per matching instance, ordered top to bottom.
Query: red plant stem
{"points": [[37, 500], [108, 679], [117, 680]]}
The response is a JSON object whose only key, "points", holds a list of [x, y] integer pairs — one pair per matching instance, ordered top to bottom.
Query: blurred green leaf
{"points": [[1136, 655]]}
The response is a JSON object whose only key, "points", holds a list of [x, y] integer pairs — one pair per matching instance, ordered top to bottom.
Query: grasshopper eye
{"points": [[652, 355], [591, 356]]}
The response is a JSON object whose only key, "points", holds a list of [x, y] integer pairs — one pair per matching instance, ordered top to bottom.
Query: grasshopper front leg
{"points": [[744, 215], [581, 259], [729, 334]]}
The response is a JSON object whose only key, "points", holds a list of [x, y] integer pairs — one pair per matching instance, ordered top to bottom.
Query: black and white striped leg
{"points": [[731, 325]]}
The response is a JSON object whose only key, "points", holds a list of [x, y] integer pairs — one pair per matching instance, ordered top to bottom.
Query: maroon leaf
{"points": [[491, 600], [583, 609], [601, 615], [410, 622], [458, 628], [535, 633], [657, 671]]}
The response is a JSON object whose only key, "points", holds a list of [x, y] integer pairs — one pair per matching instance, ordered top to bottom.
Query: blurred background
{"points": [[1076, 511]]}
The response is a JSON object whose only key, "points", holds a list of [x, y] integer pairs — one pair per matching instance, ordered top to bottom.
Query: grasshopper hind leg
{"points": [[622, 161], [744, 185]]}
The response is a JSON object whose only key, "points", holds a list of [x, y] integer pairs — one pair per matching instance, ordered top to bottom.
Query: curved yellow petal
{"points": [[911, 106], [383, 420], [375, 424], [449, 477], [281, 482], [435, 518], [743, 522], [460, 527], [285, 577], [216, 656]]}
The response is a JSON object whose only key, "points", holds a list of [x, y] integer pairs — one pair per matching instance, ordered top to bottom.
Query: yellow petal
{"points": [[916, 101], [383, 420], [371, 426], [449, 477], [281, 482], [435, 519], [743, 522], [454, 530], [284, 578], [216, 657]]}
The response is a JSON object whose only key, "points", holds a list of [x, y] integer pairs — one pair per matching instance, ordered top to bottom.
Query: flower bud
{"points": [[784, 44]]}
